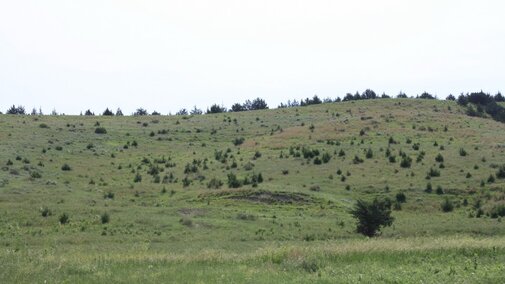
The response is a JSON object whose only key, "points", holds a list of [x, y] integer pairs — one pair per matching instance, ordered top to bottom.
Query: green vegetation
{"points": [[255, 196]]}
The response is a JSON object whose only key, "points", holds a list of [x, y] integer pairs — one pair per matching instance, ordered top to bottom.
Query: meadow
{"points": [[257, 196]]}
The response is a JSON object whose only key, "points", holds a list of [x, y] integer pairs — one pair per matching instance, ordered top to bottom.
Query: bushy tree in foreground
{"points": [[372, 216]]}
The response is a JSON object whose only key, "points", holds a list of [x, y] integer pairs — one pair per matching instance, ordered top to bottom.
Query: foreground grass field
{"points": [[259, 196], [456, 259]]}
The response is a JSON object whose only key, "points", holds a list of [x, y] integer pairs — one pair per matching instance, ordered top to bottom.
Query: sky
{"points": [[167, 55]]}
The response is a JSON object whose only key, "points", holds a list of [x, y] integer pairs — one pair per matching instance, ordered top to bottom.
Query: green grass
{"points": [[294, 226]]}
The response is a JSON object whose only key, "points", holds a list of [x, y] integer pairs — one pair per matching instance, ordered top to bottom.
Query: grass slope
{"points": [[150, 176]]}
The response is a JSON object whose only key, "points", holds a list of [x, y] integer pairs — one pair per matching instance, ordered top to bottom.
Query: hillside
{"points": [[253, 196]]}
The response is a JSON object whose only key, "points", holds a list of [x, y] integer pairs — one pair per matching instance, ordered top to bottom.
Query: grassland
{"points": [[150, 176]]}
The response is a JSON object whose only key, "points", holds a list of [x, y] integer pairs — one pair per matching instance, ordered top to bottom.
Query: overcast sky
{"points": [[165, 55]]}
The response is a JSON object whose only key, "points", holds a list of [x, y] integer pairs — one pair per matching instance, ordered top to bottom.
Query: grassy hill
{"points": [[148, 198]]}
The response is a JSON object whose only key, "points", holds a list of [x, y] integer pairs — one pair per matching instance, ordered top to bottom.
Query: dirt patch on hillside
{"points": [[263, 196]]}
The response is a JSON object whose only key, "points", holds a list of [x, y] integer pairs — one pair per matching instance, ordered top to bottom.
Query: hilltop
{"points": [[231, 188]]}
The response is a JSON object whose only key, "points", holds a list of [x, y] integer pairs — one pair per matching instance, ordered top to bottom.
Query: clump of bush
{"points": [[101, 130], [238, 141], [369, 153], [326, 158], [357, 160], [406, 162], [66, 167], [501, 172], [433, 173], [35, 174], [137, 178], [214, 183], [428, 188], [108, 195], [401, 198], [447, 205], [497, 211], [46, 212], [105, 218], [64, 219]]}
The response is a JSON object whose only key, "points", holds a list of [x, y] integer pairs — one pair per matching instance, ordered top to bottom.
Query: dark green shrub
{"points": [[43, 125], [100, 130], [238, 141], [462, 152], [369, 153], [257, 155], [326, 158], [439, 158], [392, 159], [357, 160], [406, 162], [66, 167], [501, 172], [433, 173], [35, 174], [137, 178], [491, 179], [186, 182], [233, 182], [214, 183], [428, 188], [439, 190], [108, 195], [401, 198], [447, 205], [497, 211], [46, 212], [372, 216], [105, 218], [64, 219]]}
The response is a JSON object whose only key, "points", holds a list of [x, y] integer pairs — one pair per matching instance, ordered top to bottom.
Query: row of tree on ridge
{"points": [[484, 103]]}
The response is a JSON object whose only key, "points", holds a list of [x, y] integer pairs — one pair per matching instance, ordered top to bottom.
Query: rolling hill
{"points": [[257, 196]]}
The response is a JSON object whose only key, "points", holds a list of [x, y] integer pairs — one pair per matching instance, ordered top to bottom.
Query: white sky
{"points": [[165, 55]]}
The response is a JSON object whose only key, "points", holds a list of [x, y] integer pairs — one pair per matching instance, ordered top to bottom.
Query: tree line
{"points": [[478, 104]]}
